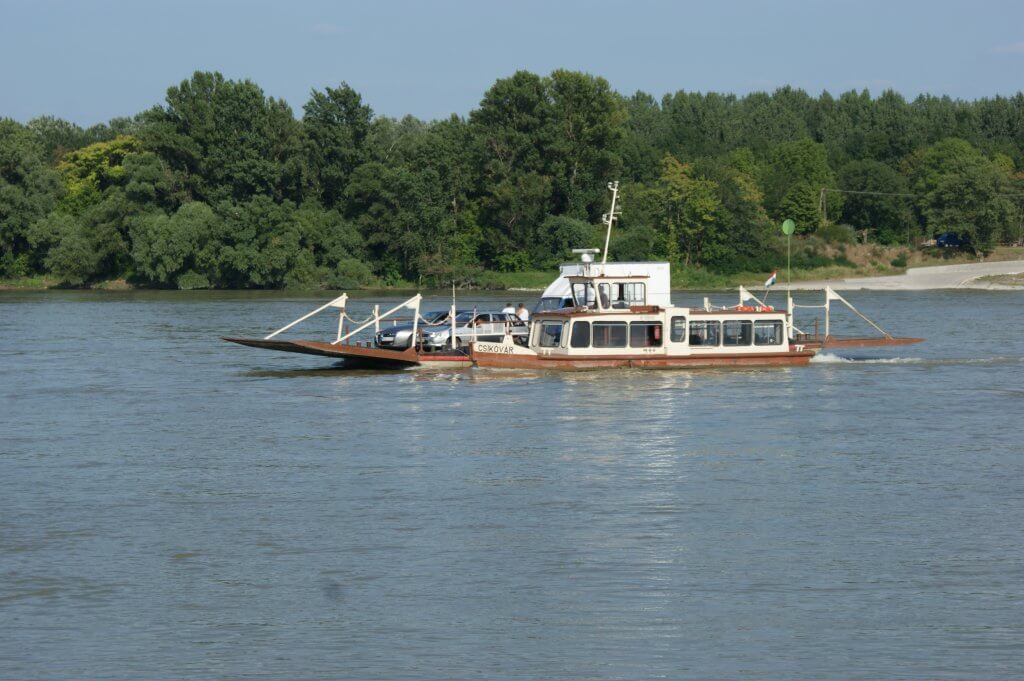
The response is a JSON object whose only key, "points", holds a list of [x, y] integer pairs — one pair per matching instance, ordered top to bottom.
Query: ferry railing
{"points": [[831, 295], [394, 316], [374, 319], [795, 332]]}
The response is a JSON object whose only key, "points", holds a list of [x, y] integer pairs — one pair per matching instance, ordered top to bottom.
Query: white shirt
{"points": [[508, 310], [524, 314]]}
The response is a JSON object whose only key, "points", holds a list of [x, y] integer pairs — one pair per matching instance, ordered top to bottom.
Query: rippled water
{"points": [[172, 506]]}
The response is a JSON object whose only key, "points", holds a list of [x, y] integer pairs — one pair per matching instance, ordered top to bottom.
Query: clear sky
{"points": [[90, 61]]}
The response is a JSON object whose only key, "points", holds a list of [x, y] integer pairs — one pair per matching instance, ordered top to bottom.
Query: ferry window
{"points": [[583, 294], [633, 294], [546, 304], [679, 329], [736, 332], [768, 333], [609, 334], [705, 334], [550, 335], [580, 335], [645, 335]]}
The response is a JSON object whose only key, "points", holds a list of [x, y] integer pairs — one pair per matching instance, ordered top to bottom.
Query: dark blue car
{"points": [[951, 240]]}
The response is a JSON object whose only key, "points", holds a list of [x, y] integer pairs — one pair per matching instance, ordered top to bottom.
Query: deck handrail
{"points": [[375, 318]]}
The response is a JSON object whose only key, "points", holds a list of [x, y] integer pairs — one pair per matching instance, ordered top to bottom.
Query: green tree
{"points": [[336, 125], [588, 125], [644, 139], [227, 140], [89, 171], [796, 173], [29, 189], [963, 192], [884, 213], [181, 250], [67, 251]]}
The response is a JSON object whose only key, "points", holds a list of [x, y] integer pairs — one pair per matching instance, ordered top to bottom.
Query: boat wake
{"points": [[829, 358]]}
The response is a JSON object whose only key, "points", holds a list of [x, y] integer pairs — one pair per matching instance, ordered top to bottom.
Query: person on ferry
{"points": [[508, 309], [522, 313]]}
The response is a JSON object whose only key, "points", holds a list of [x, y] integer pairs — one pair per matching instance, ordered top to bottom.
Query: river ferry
{"points": [[594, 315], [611, 325]]}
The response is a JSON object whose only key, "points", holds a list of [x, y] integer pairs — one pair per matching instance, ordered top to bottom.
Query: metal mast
{"points": [[609, 219]]}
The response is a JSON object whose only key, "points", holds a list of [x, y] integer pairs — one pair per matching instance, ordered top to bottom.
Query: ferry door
{"points": [[678, 337]]}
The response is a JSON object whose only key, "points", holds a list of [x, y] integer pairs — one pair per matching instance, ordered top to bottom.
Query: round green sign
{"points": [[788, 227]]}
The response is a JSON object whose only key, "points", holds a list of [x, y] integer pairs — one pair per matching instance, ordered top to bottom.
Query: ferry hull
{"points": [[867, 342], [359, 356], [523, 361]]}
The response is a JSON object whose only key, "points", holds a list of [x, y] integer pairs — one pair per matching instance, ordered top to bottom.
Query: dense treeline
{"points": [[222, 186]]}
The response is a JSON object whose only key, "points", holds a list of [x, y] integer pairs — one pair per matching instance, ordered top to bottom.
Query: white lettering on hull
{"points": [[496, 348]]}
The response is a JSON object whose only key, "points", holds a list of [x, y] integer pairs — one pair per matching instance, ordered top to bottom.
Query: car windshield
{"points": [[436, 317], [464, 317]]}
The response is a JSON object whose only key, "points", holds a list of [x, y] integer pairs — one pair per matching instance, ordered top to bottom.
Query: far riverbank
{"points": [[1000, 271]]}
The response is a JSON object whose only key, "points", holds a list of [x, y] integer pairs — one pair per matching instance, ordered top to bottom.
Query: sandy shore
{"points": [[924, 278]]}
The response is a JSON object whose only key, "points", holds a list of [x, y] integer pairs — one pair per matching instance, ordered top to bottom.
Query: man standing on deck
{"points": [[508, 309], [523, 313]]}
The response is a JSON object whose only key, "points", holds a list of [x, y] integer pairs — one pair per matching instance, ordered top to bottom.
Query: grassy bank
{"points": [[851, 261], [1016, 280], [36, 283]]}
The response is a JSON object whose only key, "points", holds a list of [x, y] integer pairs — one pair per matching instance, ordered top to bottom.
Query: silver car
{"points": [[475, 326], [399, 336]]}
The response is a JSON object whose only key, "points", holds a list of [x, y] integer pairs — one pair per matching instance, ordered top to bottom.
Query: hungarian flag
{"points": [[771, 280]]}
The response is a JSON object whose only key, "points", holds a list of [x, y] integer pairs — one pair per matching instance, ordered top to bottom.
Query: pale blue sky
{"points": [[90, 61]]}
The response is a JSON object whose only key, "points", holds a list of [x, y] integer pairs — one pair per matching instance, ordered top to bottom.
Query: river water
{"points": [[175, 507]]}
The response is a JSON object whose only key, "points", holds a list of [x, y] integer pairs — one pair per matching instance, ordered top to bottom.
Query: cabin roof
{"points": [[572, 277], [652, 309], [700, 311]]}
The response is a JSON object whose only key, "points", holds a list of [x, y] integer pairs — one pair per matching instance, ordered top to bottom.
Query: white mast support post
{"points": [[609, 219], [337, 302], [413, 302], [828, 309], [789, 314], [376, 319], [416, 322], [341, 325], [453, 340]]}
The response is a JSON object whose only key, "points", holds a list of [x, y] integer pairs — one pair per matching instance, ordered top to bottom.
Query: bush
{"points": [[837, 234], [637, 243], [74, 260], [899, 261], [513, 262], [190, 281]]}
